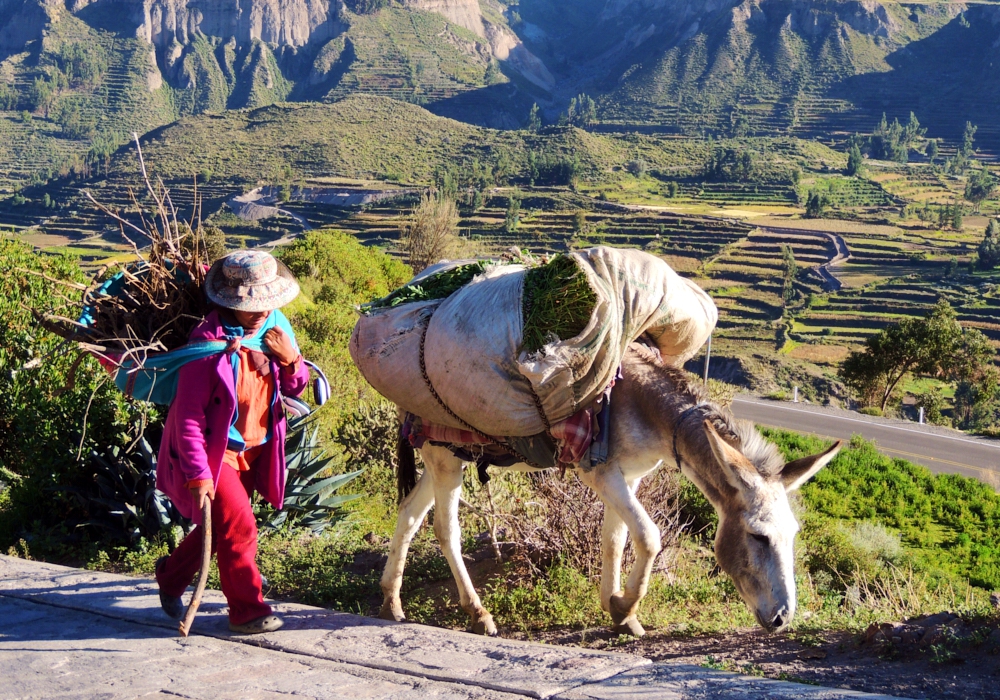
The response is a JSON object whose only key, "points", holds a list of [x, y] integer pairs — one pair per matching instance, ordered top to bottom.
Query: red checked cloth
{"points": [[573, 435]]}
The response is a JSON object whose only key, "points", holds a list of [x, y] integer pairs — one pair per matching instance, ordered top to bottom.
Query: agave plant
{"points": [[310, 499], [124, 503]]}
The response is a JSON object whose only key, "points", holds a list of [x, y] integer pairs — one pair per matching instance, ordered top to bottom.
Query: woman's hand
{"points": [[280, 345], [200, 493]]}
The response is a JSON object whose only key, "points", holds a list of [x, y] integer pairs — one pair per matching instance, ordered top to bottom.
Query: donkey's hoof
{"points": [[619, 610], [393, 613], [485, 626], [629, 626]]}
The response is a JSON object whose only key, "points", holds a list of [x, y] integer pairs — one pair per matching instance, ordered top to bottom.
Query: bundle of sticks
{"points": [[151, 304]]}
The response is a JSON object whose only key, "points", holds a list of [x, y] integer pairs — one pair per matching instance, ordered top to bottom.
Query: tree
{"points": [[492, 75], [41, 94], [8, 97], [582, 110], [534, 118], [968, 139], [894, 141], [932, 150], [855, 161], [730, 165], [637, 167], [552, 169], [979, 188], [477, 200], [816, 204], [513, 217], [956, 217], [579, 221], [432, 232], [989, 249], [789, 269], [934, 346], [976, 400]]}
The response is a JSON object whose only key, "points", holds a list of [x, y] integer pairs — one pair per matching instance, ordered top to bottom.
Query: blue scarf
{"points": [[275, 319], [155, 379]]}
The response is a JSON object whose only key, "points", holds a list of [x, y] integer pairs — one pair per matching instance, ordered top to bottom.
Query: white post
{"points": [[708, 356], [795, 394], [921, 415]]}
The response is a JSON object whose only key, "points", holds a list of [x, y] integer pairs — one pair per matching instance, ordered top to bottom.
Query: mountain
{"points": [[247, 53], [763, 66], [89, 72]]}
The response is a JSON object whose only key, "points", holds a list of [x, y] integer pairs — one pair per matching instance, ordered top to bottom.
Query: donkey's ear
{"points": [[738, 470], [799, 471]]}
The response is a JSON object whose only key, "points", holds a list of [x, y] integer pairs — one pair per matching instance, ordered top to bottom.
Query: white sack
{"points": [[472, 349]]}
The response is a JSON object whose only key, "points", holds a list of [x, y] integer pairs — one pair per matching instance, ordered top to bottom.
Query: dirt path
{"points": [[842, 255], [839, 660]]}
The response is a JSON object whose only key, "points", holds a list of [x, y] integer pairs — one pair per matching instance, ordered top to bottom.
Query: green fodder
{"points": [[437, 286], [557, 302]]}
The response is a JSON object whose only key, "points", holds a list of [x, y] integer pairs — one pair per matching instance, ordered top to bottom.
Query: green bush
{"points": [[337, 274], [871, 411], [48, 425], [310, 483], [949, 524]]}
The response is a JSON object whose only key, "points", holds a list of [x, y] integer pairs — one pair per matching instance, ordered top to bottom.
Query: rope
{"points": [[443, 405]]}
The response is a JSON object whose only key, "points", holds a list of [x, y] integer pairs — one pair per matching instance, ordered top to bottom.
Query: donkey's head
{"points": [[756, 534]]}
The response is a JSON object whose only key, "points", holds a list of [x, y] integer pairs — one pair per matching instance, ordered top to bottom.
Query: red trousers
{"points": [[234, 541]]}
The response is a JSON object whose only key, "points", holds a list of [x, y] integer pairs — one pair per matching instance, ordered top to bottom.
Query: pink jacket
{"points": [[197, 429]]}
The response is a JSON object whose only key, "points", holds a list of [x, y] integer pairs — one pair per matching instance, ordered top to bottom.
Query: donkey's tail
{"points": [[406, 468]]}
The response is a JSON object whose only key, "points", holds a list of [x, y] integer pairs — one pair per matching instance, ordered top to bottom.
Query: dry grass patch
{"points": [[820, 354]]}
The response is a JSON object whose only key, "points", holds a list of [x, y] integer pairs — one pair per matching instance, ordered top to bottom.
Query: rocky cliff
{"points": [[291, 23]]}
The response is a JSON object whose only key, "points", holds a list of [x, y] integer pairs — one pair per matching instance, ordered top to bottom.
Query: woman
{"points": [[225, 432]]}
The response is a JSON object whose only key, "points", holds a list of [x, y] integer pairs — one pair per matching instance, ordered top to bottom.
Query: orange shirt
{"points": [[254, 394]]}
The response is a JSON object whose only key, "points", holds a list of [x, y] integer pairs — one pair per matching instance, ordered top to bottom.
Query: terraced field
{"points": [[851, 316]]}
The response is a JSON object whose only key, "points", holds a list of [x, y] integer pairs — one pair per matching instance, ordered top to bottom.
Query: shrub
{"points": [[366, 7], [549, 169], [432, 232], [337, 274], [48, 423], [309, 484], [122, 502], [949, 524]]}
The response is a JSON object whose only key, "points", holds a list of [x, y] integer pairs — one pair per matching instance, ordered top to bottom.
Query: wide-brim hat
{"points": [[250, 280]]}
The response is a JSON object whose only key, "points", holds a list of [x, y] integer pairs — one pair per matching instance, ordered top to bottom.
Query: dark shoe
{"points": [[172, 605], [267, 623]]}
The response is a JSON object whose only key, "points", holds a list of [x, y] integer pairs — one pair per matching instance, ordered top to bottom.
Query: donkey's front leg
{"points": [[612, 488], [447, 491], [412, 511], [613, 536]]}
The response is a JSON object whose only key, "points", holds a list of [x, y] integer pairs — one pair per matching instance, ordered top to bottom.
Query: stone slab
{"points": [[70, 633], [51, 652], [535, 670], [667, 681]]}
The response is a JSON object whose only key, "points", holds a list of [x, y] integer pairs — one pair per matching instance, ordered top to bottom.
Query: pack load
{"points": [[511, 349]]}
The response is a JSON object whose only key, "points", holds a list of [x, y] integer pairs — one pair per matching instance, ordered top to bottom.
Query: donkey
{"points": [[656, 416]]}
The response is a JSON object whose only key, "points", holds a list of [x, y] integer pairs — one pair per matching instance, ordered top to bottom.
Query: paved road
{"points": [[939, 449], [67, 633]]}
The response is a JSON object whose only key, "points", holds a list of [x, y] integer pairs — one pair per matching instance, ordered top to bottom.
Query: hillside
{"points": [[76, 79]]}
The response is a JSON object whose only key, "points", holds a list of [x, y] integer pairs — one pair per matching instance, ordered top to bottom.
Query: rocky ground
{"points": [[939, 656]]}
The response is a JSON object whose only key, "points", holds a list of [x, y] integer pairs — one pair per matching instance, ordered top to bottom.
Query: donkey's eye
{"points": [[761, 538]]}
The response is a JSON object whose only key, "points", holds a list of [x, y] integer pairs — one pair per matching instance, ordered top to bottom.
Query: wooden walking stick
{"points": [[206, 560]]}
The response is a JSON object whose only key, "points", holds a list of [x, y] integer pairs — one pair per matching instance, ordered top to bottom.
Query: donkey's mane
{"points": [[683, 394]]}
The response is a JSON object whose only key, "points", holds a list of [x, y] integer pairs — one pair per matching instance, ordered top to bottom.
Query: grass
{"points": [[557, 301]]}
